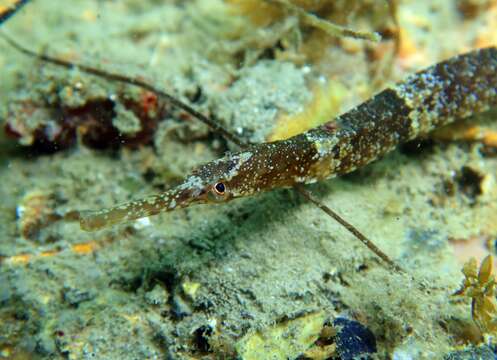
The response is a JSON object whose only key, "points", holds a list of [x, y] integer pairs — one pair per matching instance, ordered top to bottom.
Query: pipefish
{"points": [[452, 89]]}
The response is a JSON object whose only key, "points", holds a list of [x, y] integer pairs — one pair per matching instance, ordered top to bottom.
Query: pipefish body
{"points": [[453, 89]]}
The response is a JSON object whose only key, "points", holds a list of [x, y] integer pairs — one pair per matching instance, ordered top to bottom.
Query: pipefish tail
{"points": [[452, 89]]}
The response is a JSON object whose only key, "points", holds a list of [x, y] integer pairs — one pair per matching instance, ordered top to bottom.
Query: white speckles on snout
{"points": [[240, 159], [191, 182]]}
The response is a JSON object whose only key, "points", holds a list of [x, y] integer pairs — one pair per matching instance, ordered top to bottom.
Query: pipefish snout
{"points": [[453, 89]]}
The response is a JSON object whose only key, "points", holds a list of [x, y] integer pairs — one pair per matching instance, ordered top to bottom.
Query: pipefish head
{"points": [[224, 179], [217, 181]]}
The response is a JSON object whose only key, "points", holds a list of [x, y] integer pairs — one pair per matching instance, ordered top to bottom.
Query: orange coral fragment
{"points": [[407, 46], [467, 132], [490, 138], [85, 248], [48, 253], [18, 259], [23, 259]]}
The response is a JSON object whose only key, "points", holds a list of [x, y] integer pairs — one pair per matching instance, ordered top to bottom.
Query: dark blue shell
{"points": [[354, 340]]}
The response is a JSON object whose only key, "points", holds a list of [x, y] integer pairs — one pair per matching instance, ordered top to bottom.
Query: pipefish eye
{"points": [[220, 188], [218, 192]]}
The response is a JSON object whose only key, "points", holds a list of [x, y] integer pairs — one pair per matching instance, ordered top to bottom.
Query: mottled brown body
{"points": [[453, 89], [450, 90]]}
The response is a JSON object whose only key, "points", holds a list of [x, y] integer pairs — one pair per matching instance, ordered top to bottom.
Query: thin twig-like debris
{"points": [[327, 26]]}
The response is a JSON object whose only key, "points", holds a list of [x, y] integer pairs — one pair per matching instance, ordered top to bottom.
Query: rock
{"points": [[354, 340]]}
